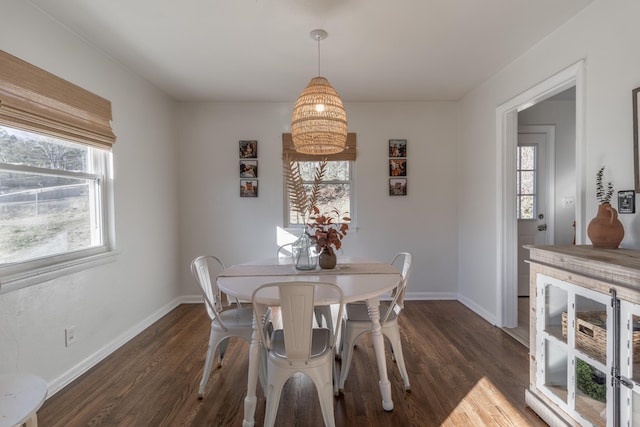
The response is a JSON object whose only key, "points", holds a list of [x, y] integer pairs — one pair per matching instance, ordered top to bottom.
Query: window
{"points": [[55, 175], [526, 181], [337, 186], [335, 192], [51, 196]]}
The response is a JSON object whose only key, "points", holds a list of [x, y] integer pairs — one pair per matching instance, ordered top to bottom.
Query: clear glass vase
{"points": [[305, 255]]}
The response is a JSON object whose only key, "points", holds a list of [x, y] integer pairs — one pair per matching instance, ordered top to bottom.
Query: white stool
{"points": [[21, 395]]}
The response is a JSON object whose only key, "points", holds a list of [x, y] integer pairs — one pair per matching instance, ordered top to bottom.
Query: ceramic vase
{"points": [[605, 230], [327, 259]]}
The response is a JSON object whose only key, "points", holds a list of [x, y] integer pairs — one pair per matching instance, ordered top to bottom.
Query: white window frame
{"points": [[352, 211], [26, 273]]}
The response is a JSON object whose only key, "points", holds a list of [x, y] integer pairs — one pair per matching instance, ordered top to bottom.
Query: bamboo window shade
{"points": [[33, 99], [349, 152]]}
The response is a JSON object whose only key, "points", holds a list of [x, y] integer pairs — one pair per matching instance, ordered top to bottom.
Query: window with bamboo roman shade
{"points": [[35, 100], [349, 152], [56, 174]]}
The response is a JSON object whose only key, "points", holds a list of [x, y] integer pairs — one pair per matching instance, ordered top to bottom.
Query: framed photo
{"points": [[635, 94], [397, 148], [248, 149], [397, 167], [248, 168], [398, 186], [248, 188], [627, 202]]}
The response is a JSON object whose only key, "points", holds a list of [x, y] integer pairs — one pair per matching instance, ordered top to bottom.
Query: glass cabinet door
{"points": [[572, 349]]}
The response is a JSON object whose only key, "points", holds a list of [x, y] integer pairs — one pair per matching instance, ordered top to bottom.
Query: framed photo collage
{"points": [[397, 167], [248, 168]]}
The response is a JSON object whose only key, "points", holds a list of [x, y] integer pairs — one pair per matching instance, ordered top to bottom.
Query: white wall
{"points": [[605, 35], [562, 115], [217, 221], [108, 303]]}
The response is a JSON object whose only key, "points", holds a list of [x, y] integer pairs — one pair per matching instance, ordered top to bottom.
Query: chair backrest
{"points": [[402, 260], [202, 268], [296, 301]]}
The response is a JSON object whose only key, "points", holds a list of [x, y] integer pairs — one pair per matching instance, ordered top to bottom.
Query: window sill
{"points": [[12, 280]]}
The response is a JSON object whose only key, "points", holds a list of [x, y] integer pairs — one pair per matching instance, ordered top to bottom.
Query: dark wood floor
{"points": [[463, 372]]}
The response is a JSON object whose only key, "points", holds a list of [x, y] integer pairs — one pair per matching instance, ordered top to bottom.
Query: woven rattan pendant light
{"points": [[318, 121]]}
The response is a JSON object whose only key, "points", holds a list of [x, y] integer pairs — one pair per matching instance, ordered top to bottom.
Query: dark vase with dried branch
{"points": [[605, 230]]}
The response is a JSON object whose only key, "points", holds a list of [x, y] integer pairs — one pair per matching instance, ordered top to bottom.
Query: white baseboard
{"points": [[430, 296], [477, 309], [60, 382]]}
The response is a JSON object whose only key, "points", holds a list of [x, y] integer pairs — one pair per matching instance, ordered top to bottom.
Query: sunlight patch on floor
{"points": [[468, 411]]}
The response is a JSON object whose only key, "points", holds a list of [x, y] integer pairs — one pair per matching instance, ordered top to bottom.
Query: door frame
{"points": [[506, 141]]}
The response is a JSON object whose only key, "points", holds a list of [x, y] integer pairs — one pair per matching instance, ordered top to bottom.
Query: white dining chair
{"points": [[285, 255], [227, 320], [357, 322], [298, 347]]}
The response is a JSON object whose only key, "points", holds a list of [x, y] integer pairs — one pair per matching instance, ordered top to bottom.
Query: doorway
{"points": [[507, 132], [535, 192]]}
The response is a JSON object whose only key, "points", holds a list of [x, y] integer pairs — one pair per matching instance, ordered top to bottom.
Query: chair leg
{"points": [[394, 338], [349, 341], [222, 350], [208, 362], [274, 389], [324, 389]]}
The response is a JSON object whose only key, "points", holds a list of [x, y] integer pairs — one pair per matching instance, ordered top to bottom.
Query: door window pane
{"points": [[526, 175]]}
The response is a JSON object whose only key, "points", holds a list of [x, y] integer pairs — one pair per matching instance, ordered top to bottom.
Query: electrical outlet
{"points": [[567, 202], [69, 336]]}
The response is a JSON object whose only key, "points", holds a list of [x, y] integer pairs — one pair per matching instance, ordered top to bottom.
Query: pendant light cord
{"points": [[318, 39]]}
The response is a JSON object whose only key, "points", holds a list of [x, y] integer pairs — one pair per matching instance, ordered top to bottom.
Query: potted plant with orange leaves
{"points": [[328, 230]]}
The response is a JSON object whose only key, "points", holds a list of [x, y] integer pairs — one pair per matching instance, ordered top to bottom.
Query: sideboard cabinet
{"points": [[584, 348]]}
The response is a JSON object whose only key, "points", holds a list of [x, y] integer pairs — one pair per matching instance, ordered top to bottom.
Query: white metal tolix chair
{"points": [[285, 255], [226, 321], [357, 322], [298, 347]]}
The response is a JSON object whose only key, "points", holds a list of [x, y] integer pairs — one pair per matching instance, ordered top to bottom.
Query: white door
{"points": [[535, 218]]}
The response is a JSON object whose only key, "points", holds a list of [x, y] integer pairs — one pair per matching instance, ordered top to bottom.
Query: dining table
{"points": [[360, 280]]}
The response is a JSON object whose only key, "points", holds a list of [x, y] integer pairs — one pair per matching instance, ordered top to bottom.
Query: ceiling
{"points": [[260, 50]]}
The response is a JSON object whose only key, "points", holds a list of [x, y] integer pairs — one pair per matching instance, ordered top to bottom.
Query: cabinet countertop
{"points": [[616, 266]]}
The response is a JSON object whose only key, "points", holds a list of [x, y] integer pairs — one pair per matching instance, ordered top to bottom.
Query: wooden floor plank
{"points": [[463, 372]]}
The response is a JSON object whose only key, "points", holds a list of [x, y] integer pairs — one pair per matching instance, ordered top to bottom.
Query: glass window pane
{"points": [[29, 149], [527, 157], [335, 171], [527, 183], [335, 190], [331, 196], [526, 207], [45, 215], [555, 369]]}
